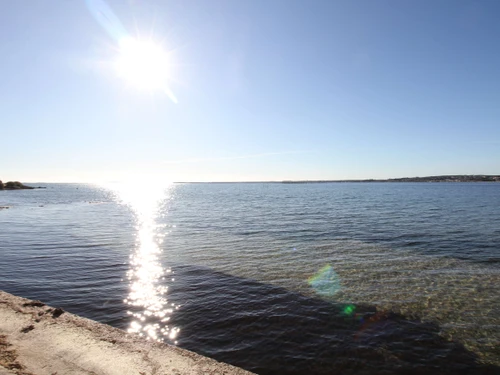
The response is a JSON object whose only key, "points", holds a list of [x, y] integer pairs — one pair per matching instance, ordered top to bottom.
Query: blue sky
{"points": [[266, 90]]}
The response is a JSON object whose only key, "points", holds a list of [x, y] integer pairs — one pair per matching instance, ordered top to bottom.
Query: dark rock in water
{"points": [[14, 185]]}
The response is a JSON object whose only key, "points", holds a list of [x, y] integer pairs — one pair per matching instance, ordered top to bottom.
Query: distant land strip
{"points": [[448, 178], [452, 178]]}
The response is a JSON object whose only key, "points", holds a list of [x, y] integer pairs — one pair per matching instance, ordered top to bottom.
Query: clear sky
{"points": [[250, 90]]}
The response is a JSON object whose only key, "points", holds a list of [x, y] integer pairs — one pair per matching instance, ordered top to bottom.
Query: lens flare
{"points": [[103, 14], [326, 282], [349, 310]]}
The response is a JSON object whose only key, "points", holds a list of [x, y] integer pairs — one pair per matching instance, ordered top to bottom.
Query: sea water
{"points": [[275, 278]]}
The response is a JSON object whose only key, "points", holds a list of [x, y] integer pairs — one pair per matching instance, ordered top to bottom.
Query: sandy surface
{"points": [[36, 339]]}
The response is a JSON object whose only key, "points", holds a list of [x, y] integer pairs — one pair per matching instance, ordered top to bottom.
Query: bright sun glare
{"points": [[143, 64]]}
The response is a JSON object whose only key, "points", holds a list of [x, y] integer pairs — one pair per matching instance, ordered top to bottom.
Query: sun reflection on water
{"points": [[147, 298]]}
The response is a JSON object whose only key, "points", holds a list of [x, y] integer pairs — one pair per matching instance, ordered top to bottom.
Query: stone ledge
{"points": [[36, 339]]}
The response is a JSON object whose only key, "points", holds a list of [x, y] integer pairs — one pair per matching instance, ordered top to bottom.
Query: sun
{"points": [[143, 64]]}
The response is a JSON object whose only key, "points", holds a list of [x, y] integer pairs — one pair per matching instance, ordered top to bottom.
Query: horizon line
{"points": [[391, 179]]}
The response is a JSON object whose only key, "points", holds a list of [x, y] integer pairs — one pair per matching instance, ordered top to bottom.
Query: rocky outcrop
{"points": [[13, 185], [36, 339]]}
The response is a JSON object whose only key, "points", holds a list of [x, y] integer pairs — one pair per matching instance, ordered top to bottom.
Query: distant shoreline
{"points": [[441, 178], [448, 178]]}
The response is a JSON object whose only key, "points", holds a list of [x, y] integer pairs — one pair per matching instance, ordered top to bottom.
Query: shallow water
{"points": [[364, 277]]}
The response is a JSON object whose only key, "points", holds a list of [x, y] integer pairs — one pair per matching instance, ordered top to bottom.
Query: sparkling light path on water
{"points": [[147, 298]]}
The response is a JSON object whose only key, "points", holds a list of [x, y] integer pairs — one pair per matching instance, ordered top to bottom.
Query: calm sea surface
{"points": [[347, 278]]}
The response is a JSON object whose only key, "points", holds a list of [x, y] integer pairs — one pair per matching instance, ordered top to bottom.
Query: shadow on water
{"points": [[270, 330]]}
